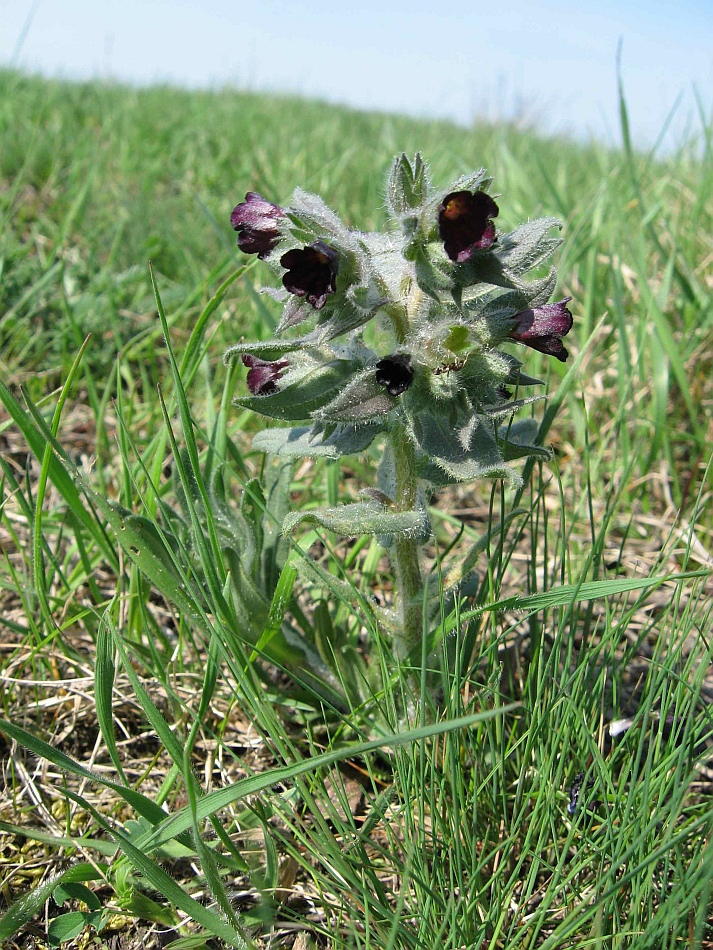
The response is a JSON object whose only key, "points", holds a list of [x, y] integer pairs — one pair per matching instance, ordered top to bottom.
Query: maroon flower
{"points": [[257, 222], [464, 223], [311, 272], [542, 328], [394, 373], [262, 374]]}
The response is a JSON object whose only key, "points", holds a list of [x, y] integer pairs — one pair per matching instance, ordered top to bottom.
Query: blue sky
{"points": [[549, 60]]}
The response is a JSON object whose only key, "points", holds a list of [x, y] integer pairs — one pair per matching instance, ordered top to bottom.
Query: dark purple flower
{"points": [[257, 222], [464, 223], [311, 272], [542, 328], [394, 373], [262, 374]]}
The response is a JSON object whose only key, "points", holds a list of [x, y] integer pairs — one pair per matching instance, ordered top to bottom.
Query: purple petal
{"points": [[257, 222], [464, 224], [311, 272], [542, 328], [394, 373], [263, 374]]}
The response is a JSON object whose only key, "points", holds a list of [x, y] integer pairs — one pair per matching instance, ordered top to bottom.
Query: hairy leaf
{"points": [[360, 518]]}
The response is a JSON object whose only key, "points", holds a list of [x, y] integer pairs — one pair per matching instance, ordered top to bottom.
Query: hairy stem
{"points": [[408, 569]]}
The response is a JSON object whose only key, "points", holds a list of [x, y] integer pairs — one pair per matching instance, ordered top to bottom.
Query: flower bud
{"points": [[257, 222], [542, 328], [263, 374]]}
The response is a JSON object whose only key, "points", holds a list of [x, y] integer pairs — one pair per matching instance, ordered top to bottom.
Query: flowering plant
{"points": [[440, 291]]}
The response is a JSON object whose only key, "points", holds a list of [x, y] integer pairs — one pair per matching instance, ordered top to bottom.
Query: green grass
{"points": [[129, 642]]}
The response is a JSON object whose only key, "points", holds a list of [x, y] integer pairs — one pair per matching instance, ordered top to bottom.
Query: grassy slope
{"points": [[95, 180]]}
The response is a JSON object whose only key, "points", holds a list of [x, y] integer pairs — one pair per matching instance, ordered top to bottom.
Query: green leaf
{"points": [[471, 181], [407, 185], [312, 218], [527, 246], [512, 257], [533, 293], [348, 316], [458, 339], [267, 349], [192, 354], [516, 377], [362, 399], [297, 401], [507, 409], [38, 437], [518, 438], [438, 440], [305, 442], [189, 470], [277, 485], [365, 517], [251, 532], [142, 542], [313, 574], [566, 594], [249, 600], [278, 607], [104, 675], [170, 741], [221, 798], [140, 803], [107, 848], [164, 884], [74, 890], [140, 905], [23, 910], [67, 927], [194, 942]]}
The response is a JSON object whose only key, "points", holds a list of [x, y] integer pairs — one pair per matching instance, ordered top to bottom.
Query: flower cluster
{"points": [[445, 291]]}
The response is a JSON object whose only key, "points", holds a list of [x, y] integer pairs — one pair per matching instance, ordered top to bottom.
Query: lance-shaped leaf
{"points": [[470, 182], [407, 185], [311, 218], [527, 246], [513, 255], [486, 268], [434, 276], [538, 292], [531, 294], [356, 308], [296, 311], [267, 349], [516, 377], [361, 400], [296, 401], [508, 408], [519, 440], [439, 441], [303, 442], [276, 483], [363, 517], [239, 527], [249, 601], [21, 912]]}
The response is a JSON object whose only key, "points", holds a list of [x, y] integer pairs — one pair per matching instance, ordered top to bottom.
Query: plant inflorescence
{"points": [[403, 345]]}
